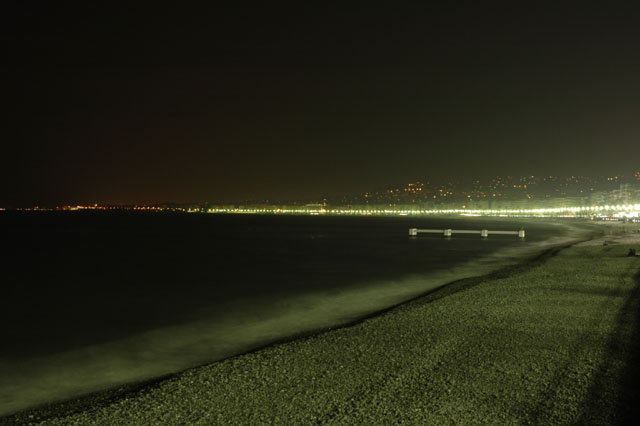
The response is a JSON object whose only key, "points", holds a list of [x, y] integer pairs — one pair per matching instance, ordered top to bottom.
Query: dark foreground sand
{"points": [[555, 341]]}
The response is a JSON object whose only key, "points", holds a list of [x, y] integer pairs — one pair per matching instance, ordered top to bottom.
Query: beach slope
{"points": [[550, 342]]}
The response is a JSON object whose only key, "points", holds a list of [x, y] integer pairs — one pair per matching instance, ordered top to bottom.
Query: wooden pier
{"points": [[484, 233]]}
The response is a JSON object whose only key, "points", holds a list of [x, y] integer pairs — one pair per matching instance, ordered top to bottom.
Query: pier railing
{"points": [[484, 233]]}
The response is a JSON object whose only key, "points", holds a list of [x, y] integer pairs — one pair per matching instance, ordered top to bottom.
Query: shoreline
{"points": [[251, 323], [106, 397], [91, 400]]}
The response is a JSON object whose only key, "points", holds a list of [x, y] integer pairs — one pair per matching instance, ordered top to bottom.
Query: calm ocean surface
{"points": [[91, 300]]}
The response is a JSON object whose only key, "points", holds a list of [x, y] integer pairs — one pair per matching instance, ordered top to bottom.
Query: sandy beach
{"points": [[547, 342]]}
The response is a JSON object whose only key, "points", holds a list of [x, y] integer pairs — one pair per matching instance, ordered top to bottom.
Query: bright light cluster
{"points": [[626, 210]]}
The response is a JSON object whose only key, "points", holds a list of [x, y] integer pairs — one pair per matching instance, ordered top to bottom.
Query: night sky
{"points": [[283, 101]]}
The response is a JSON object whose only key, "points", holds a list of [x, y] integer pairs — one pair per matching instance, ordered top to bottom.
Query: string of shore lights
{"points": [[621, 210]]}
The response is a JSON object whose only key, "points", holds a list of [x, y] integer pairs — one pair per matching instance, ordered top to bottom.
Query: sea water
{"points": [[91, 300]]}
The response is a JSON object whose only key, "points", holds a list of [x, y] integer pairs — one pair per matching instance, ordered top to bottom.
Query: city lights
{"points": [[618, 211]]}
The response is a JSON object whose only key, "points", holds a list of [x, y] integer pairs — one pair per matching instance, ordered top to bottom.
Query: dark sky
{"points": [[128, 105]]}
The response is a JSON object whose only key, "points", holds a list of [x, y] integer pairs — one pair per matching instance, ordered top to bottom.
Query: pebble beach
{"points": [[551, 341]]}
